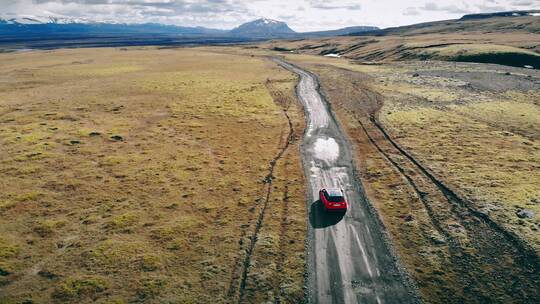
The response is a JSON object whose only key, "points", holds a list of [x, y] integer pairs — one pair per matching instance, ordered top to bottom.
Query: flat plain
{"points": [[149, 175]]}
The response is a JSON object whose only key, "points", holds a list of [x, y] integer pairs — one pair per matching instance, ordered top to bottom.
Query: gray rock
{"points": [[525, 213]]}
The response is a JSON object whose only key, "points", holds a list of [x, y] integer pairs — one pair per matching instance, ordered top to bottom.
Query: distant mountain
{"points": [[501, 14], [28, 19], [502, 22], [55, 26], [263, 28], [268, 28], [35, 31], [341, 32]]}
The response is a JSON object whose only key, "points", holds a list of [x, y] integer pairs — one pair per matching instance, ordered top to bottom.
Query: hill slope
{"points": [[495, 23], [341, 32], [504, 40]]}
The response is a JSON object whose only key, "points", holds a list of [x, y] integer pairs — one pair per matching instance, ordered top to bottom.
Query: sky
{"points": [[300, 15]]}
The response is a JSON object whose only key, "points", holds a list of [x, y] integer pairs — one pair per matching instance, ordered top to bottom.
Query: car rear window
{"points": [[334, 192], [336, 199]]}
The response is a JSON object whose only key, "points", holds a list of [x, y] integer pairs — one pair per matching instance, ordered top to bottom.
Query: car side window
{"points": [[326, 195]]}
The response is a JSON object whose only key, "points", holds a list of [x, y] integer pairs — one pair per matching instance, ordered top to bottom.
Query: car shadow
{"points": [[319, 218]]}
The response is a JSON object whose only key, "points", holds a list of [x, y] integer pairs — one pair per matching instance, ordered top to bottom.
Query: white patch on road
{"points": [[332, 55], [326, 149]]}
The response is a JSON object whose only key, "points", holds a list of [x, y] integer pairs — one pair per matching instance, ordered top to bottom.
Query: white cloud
{"points": [[462, 8], [411, 11], [301, 15]]}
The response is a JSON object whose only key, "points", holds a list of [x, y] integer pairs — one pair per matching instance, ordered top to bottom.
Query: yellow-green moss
{"points": [[77, 288]]}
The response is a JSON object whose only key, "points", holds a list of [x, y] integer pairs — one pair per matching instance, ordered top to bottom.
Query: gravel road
{"points": [[349, 257]]}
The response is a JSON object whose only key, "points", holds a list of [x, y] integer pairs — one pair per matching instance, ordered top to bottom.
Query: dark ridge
{"points": [[499, 14], [454, 25], [510, 59]]}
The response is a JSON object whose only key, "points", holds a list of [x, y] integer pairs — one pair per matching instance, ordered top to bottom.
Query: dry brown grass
{"points": [[134, 176]]}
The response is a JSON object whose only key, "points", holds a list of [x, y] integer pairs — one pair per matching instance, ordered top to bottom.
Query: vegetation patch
{"points": [[123, 221], [48, 227], [7, 253], [78, 288], [150, 288]]}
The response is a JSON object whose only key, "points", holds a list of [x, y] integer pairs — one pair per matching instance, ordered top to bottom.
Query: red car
{"points": [[333, 200]]}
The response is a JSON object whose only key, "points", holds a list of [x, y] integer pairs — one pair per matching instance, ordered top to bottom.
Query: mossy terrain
{"points": [[136, 175]]}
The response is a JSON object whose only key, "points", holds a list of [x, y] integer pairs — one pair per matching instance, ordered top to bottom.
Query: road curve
{"points": [[349, 259]]}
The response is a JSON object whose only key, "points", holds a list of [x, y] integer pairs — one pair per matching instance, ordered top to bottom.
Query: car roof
{"points": [[334, 192]]}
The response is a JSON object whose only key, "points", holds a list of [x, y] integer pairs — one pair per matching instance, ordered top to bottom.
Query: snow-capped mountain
{"points": [[32, 20], [25, 25], [21, 27], [263, 28]]}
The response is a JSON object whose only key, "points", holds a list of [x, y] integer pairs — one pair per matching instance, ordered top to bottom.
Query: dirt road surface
{"points": [[349, 258]]}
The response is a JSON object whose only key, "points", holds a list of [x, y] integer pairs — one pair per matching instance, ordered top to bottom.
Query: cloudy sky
{"points": [[301, 15]]}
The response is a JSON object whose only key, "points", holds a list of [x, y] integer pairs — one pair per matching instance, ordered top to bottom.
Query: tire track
{"points": [[268, 180], [419, 194], [454, 197], [254, 237], [457, 253], [496, 253], [233, 285], [278, 291]]}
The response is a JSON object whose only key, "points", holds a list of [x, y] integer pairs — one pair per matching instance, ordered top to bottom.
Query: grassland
{"points": [[420, 129], [484, 142], [149, 175]]}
